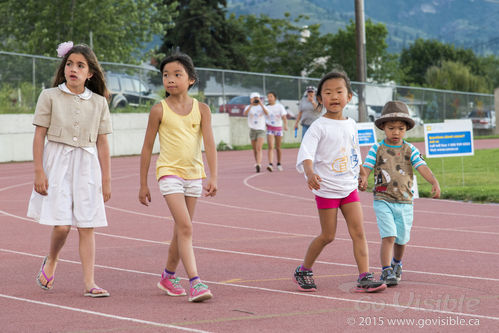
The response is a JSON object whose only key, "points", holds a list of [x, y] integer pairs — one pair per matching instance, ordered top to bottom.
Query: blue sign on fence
{"points": [[367, 135], [453, 138]]}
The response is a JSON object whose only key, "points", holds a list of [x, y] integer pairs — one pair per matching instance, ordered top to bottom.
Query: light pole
{"points": [[360, 31]]}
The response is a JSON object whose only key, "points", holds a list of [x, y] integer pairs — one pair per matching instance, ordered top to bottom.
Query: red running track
{"points": [[248, 240]]}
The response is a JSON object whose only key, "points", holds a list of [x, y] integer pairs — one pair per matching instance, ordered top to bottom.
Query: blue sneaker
{"points": [[397, 269], [388, 277]]}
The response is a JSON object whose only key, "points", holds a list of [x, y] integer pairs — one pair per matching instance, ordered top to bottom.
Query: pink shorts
{"points": [[326, 203]]}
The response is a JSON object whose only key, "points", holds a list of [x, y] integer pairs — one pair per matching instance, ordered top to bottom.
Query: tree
{"points": [[119, 28], [202, 31], [278, 46], [341, 52], [423, 54], [490, 66], [454, 76]]}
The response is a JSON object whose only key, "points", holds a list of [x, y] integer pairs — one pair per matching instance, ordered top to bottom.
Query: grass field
{"points": [[470, 178]]}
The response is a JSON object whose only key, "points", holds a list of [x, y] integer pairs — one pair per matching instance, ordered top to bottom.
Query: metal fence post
{"points": [[34, 80], [264, 88], [223, 92]]}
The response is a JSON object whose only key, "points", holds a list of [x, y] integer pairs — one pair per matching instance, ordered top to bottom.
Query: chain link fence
{"points": [[135, 88]]}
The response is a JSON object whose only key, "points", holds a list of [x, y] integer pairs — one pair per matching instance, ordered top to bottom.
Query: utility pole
{"points": [[360, 31]]}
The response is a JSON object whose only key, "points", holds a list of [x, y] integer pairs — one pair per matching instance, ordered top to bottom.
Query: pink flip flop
{"points": [[42, 272], [92, 293]]}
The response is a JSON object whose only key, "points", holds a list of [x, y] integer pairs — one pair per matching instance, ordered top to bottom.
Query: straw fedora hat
{"points": [[393, 111]]}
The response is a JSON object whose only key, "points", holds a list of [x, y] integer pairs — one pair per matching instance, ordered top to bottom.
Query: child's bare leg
{"points": [[278, 140], [270, 142], [258, 150], [255, 152], [178, 208], [353, 215], [328, 219], [57, 241], [398, 251], [386, 252], [173, 253], [87, 257]]}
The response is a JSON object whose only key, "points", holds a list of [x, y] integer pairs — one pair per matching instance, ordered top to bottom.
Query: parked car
{"points": [[129, 90], [235, 106], [483, 119]]}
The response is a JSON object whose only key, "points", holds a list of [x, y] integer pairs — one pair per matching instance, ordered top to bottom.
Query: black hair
{"points": [[185, 61], [329, 76], [273, 93]]}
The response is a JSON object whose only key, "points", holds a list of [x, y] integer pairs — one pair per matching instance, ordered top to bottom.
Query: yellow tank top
{"points": [[180, 144]]}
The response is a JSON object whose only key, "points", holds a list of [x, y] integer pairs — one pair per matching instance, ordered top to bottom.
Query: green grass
{"points": [[469, 178]]}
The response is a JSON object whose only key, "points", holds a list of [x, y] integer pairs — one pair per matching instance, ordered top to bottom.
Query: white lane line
{"points": [[245, 182], [15, 186], [460, 229], [268, 231], [301, 235], [283, 258], [301, 294], [100, 314]]}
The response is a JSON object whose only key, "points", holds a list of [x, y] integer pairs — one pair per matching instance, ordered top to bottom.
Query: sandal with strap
{"points": [[49, 279], [96, 292]]}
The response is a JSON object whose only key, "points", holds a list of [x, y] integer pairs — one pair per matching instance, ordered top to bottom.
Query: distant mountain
{"points": [[470, 24]]}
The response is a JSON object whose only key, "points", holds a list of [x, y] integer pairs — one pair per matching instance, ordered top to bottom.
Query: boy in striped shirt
{"points": [[393, 160]]}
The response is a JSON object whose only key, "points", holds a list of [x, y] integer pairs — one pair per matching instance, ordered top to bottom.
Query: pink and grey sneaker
{"points": [[367, 284], [171, 286], [199, 293]]}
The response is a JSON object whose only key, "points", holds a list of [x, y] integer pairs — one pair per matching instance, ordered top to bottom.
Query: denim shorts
{"points": [[175, 184], [394, 220]]}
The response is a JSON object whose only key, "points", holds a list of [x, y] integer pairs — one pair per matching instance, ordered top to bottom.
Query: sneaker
{"points": [[257, 166], [279, 167], [270, 168], [397, 270], [388, 277], [305, 280], [368, 285], [171, 286], [199, 293]]}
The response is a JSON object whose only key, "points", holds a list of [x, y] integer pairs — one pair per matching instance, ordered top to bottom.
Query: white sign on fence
{"points": [[453, 138]]}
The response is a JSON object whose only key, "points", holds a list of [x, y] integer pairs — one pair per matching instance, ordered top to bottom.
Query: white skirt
{"points": [[74, 191]]}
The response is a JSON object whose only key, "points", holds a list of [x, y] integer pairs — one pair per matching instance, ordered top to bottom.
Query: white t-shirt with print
{"points": [[276, 112], [256, 117], [333, 147]]}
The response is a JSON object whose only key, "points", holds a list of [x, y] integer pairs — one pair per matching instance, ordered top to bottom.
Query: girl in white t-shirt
{"points": [[276, 121], [329, 156]]}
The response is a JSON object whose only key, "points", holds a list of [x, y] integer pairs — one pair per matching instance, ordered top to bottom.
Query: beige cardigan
{"points": [[70, 119]]}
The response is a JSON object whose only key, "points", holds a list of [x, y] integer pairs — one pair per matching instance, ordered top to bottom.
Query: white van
{"points": [[351, 110]]}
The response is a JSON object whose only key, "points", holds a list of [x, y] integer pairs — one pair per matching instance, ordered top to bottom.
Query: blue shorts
{"points": [[394, 220]]}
